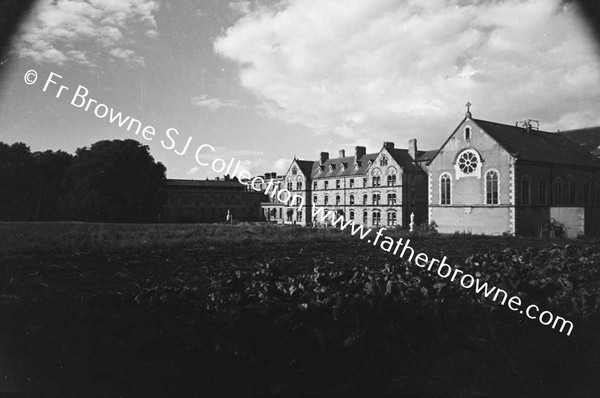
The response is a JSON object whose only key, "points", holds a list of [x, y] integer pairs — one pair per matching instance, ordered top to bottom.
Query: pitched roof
{"points": [[587, 138], [537, 146], [425, 156], [405, 161], [305, 166], [351, 167]]}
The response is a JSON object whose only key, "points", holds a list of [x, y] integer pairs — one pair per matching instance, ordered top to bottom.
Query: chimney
{"points": [[388, 145], [412, 148], [359, 152], [342, 153], [324, 157], [217, 178]]}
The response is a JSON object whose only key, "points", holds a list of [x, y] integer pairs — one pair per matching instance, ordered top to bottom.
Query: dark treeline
{"points": [[111, 181]]}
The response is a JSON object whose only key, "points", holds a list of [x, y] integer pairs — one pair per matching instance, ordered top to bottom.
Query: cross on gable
{"points": [[468, 105]]}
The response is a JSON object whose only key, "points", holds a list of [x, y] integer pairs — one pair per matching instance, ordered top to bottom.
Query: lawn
{"points": [[262, 310]]}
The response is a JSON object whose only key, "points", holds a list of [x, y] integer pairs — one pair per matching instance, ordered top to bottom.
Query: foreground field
{"points": [[140, 310]]}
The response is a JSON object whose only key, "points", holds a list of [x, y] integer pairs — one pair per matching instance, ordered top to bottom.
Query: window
{"points": [[468, 133], [383, 161], [468, 162], [294, 171], [391, 180], [376, 181], [364, 182], [352, 183], [326, 184], [337, 184], [315, 185], [289, 186], [299, 186], [491, 188], [445, 189], [525, 191], [542, 191], [558, 192], [572, 192], [586, 193], [391, 197], [376, 198], [315, 199], [351, 199], [364, 199], [326, 200], [337, 200], [280, 213], [290, 214], [352, 214], [299, 216], [365, 217], [376, 217], [391, 218]]}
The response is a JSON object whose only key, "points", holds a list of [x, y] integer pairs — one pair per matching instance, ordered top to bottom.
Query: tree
{"points": [[16, 174], [113, 181]]}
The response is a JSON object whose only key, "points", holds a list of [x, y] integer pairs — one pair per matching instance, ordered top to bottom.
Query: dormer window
{"points": [[468, 133], [370, 162], [358, 163], [344, 166], [322, 167], [331, 167]]}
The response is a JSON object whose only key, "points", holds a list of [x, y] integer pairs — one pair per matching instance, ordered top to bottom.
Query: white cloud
{"points": [[55, 28], [406, 67], [214, 104]]}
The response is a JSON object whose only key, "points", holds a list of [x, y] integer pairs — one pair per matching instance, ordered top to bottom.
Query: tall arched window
{"points": [[491, 187], [445, 189], [525, 191], [558, 192], [572, 192], [542, 195], [315, 199], [351, 199], [364, 199], [326, 200], [337, 200], [352, 214], [365, 217], [376, 217]]}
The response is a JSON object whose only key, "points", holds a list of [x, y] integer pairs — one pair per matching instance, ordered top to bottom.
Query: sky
{"points": [[266, 81]]}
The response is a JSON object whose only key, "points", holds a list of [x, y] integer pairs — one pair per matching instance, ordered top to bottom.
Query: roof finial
{"points": [[468, 105]]}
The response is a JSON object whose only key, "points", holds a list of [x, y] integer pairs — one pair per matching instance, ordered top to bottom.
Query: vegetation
{"points": [[110, 181], [262, 310]]}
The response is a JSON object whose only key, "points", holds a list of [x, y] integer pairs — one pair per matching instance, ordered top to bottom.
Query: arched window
{"points": [[467, 133], [294, 171], [391, 180], [315, 185], [289, 186], [299, 186], [491, 187], [445, 189], [525, 191], [557, 192], [572, 192], [586, 193], [542, 195], [391, 197], [376, 198], [315, 199], [351, 199], [364, 199], [326, 200], [337, 200], [352, 214], [299, 216], [365, 217], [376, 217], [391, 218]]}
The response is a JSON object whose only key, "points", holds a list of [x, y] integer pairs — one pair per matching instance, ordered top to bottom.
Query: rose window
{"points": [[468, 162]]}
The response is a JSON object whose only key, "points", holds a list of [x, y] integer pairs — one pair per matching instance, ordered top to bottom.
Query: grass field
{"points": [[262, 310]]}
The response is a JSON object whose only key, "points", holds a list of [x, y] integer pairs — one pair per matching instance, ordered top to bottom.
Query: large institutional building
{"points": [[486, 178]]}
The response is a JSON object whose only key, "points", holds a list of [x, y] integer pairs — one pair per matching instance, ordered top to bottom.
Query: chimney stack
{"points": [[388, 145], [412, 148], [359, 152], [342, 153], [324, 157]]}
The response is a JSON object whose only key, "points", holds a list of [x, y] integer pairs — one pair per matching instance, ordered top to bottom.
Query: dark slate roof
{"points": [[588, 138], [538, 146], [426, 156], [405, 161], [305, 166], [337, 172]]}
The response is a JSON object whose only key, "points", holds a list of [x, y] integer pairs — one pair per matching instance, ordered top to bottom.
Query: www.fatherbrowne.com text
{"points": [[442, 268]]}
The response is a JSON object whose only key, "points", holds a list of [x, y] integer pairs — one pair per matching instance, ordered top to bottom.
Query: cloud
{"points": [[75, 30], [385, 68], [214, 104]]}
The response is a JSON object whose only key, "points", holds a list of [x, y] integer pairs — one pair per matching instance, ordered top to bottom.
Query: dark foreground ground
{"points": [[109, 310]]}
